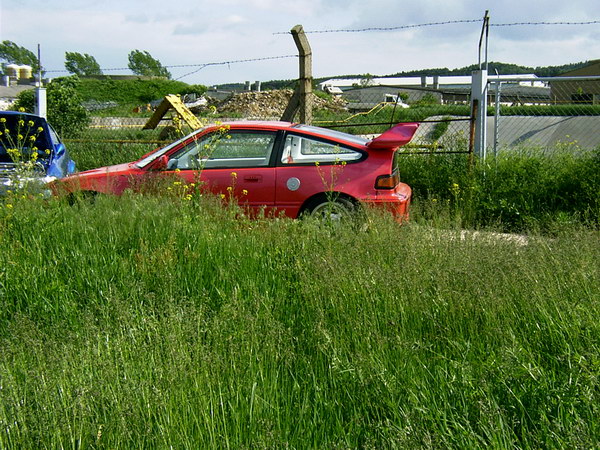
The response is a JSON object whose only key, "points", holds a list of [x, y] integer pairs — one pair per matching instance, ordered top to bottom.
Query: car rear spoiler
{"points": [[396, 136]]}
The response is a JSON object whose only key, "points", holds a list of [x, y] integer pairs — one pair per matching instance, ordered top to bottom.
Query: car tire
{"points": [[82, 197], [332, 208]]}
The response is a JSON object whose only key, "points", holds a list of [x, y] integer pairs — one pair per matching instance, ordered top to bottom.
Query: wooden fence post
{"points": [[302, 98]]}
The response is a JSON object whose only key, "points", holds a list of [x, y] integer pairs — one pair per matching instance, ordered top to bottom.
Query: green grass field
{"points": [[149, 322], [156, 322]]}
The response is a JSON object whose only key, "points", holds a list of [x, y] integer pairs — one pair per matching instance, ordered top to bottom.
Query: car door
{"points": [[231, 163], [61, 164], [309, 166]]}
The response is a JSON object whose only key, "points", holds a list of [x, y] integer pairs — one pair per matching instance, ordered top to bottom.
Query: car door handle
{"points": [[253, 178]]}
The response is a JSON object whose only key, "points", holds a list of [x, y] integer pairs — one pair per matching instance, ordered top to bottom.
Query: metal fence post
{"points": [[479, 87], [302, 98], [40, 102], [497, 117]]}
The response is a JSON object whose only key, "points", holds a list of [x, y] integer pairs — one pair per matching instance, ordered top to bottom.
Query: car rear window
{"points": [[326, 132]]}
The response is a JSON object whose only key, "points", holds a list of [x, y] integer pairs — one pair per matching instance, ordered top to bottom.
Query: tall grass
{"points": [[91, 155], [520, 190], [154, 323]]}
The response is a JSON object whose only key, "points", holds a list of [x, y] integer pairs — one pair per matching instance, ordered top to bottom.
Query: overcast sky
{"points": [[202, 31]]}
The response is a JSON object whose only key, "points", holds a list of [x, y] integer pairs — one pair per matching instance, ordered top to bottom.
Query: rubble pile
{"points": [[270, 104]]}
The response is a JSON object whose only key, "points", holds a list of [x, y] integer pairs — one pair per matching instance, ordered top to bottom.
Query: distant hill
{"points": [[502, 68]]}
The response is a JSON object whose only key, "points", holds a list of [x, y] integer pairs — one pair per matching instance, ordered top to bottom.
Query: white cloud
{"points": [[203, 32]]}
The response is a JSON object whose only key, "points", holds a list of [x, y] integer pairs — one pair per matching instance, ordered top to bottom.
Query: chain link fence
{"points": [[368, 111], [531, 113], [544, 113], [444, 116]]}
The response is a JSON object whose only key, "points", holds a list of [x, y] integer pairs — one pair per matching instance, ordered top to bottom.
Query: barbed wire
{"points": [[448, 22], [591, 22], [400, 27], [224, 63], [199, 66]]}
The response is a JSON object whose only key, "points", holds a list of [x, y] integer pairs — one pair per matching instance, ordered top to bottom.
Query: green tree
{"points": [[12, 53], [142, 63], [82, 64], [65, 111]]}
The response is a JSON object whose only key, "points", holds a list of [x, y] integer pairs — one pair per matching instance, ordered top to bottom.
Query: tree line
{"points": [[140, 62]]}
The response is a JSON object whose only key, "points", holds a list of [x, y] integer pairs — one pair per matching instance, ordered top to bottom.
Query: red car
{"points": [[278, 167]]}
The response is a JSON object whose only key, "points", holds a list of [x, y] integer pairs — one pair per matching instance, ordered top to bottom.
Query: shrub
{"points": [[520, 190]]}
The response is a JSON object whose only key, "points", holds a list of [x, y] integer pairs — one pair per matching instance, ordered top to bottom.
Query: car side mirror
{"points": [[60, 150], [162, 162], [172, 164]]}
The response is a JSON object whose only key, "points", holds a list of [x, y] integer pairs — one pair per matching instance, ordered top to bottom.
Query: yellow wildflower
{"points": [[244, 192]]}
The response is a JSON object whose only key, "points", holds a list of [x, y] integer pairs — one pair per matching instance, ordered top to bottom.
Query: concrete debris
{"points": [[267, 104]]}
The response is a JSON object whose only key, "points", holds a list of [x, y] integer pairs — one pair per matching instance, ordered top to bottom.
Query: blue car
{"points": [[31, 153]]}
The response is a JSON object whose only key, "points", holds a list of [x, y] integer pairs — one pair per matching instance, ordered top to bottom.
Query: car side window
{"points": [[53, 135], [300, 149], [226, 150]]}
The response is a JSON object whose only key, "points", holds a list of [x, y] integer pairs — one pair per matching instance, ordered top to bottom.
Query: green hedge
{"points": [[133, 91]]}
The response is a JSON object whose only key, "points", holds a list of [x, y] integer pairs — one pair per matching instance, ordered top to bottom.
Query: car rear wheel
{"points": [[334, 210]]}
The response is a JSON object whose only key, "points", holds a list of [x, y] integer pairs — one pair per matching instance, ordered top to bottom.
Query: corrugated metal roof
{"points": [[441, 81]]}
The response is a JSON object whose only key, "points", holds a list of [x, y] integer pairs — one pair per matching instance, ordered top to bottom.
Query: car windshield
{"points": [[24, 133], [333, 134], [158, 153]]}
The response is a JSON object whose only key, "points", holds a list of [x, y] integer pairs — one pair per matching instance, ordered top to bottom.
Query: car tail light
{"points": [[387, 181]]}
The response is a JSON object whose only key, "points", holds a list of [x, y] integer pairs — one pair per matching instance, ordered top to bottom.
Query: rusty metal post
{"points": [[302, 98], [474, 112]]}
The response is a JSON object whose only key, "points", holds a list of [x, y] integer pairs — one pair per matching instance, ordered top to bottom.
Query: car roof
{"points": [[19, 113], [255, 124], [289, 126]]}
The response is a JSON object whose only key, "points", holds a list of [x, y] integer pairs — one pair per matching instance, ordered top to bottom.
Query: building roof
{"points": [[429, 81], [11, 92]]}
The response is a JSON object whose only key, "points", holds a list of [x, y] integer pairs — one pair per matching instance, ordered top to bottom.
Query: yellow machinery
{"points": [[172, 101]]}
